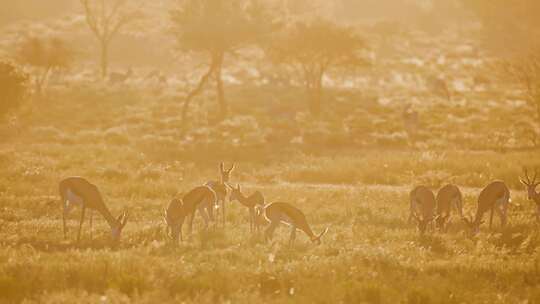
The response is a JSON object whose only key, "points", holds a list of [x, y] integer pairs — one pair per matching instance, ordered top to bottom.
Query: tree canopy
{"points": [[315, 47], [13, 85]]}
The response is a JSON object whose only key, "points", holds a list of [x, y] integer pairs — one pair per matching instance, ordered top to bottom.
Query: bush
{"points": [[13, 85]]}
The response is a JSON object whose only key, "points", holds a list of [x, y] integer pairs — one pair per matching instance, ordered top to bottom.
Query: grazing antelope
{"points": [[118, 78], [219, 187], [78, 191], [532, 195], [494, 196], [449, 197], [201, 198], [255, 199], [422, 207], [285, 213]]}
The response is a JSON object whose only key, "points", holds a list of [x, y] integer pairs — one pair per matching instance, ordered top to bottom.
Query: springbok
{"points": [[119, 78], [411, 121], [219, 187], [78, 191], [532, 195], [494, 196], [201, 198], [448, 198], [255, 199], [422, 207], [287, 214]]}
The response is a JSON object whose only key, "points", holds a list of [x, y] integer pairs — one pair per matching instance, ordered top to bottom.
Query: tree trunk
{"points": [[104, 59], [40, 81], [195, 92], [315, 96], [223, 106]]}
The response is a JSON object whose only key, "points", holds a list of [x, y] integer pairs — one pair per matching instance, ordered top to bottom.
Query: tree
{"points": [[105, 19], [516, 28], [215, 29], [314, 48], [44, 55], [525, 70], [13, 85]]}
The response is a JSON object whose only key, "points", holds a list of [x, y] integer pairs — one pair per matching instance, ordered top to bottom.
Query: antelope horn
{"points": [[528, 180], [164, 214], [125, 218]]}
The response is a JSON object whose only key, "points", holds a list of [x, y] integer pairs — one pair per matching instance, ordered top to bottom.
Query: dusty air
{"points": [[270, 151]]}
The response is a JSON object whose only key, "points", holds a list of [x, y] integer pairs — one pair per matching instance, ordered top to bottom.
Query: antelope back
{"points": [[491, 194], [197, 195], [446, 197], [424, 200]]}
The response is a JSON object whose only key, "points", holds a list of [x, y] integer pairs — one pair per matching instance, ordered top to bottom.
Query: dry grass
{"points": [[132, 150]]}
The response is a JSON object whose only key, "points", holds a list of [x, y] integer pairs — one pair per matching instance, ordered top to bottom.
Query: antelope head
{"points": [[225, 173], [531, 184], [236, 192], [121, 221], [441, 221], [422, 222], [474, 226], [317, 238]]}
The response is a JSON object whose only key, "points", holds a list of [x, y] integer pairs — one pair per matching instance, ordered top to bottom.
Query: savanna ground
{"points": [[350, 170], [369, 255]]}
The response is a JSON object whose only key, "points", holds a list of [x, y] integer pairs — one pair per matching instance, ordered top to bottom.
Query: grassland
{"points": [[129, 145]]}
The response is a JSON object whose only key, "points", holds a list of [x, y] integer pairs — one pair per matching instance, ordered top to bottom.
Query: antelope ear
{"points": [[523, 182], [229, 185], [125, 217]]}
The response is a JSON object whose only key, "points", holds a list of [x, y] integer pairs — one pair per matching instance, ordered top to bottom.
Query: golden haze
{"points": [[150, 151]]}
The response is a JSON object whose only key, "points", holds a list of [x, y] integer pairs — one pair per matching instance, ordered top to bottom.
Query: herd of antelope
{"points": [[426, 209]]}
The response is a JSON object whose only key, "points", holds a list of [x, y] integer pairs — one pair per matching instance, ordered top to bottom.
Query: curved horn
{"points": [[232, 167], [527, 180], [164, 214], [125, 218]]}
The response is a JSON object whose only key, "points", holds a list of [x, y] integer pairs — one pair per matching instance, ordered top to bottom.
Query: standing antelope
{"points": [[411, 122], [219, 187], [78, 191], [532, 195], [494, 196], [449, 197], [201, 198], [255, 199], [422, 207], [287, 214]]}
